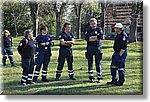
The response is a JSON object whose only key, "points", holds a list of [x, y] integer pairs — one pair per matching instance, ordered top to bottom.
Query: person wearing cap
{"points": [[93, 36], [7, 48], [26, 49], [65, 52], [43, 53], [119, 56]]}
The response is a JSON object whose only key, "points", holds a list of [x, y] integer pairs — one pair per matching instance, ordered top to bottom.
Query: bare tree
{"points": [[34, 6], [136, 8], [59, 10], [78, 12]]}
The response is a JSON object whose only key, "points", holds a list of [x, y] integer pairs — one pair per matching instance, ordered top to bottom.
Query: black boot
{"points": [[4, 61], [13, 65], [57, 77], [72, 77], [91, 78], [35, 79], [44, 79], [114, 82]]}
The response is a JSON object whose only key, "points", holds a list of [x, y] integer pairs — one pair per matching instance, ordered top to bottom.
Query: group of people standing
{"points": [[41, 49]]}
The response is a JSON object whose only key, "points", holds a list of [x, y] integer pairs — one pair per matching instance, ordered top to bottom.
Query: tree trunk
{"points": [[136, 8], [78, 10], [59, 12], [34, 17], [103, 17], [58, 24], [133, 30], [16, 31]]}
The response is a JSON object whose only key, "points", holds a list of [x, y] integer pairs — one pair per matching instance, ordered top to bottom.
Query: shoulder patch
{"points": [[95, 32], [59, 36], [124, 38], [20, 44]]}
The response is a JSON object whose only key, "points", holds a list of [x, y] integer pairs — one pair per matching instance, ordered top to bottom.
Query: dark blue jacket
{"points": [[93, 32], [66, 36], [43, 39], [6, 41], [121, 41], [26, 48]]}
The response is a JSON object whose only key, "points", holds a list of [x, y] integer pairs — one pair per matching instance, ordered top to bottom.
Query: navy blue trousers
{"points": [[9, 52], [96, 52], [65, 53], [43, 58], [118, 67], [28, 68]]}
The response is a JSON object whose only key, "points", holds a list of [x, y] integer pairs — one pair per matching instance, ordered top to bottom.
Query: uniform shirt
{"points": [[93, 32], [66, 36], [43, 39], [7, 41], [120, 42], [28, 49]]}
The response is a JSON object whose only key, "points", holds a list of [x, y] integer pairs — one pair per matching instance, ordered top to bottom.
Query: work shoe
{"points": [[13, 65], [72, 77], [91, 78], [57, 79], [45, 80], [99, 81], [30, 82], [111, 83], [24, 84], [119, 84]]}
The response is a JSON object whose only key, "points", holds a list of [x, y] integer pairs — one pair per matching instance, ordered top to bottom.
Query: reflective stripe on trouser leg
{"points": [[121, 72], [71, 73], [114, 73], [36, 74], [44, 74], [91, 74], [99, 76], [29, 77], [24, 79]]}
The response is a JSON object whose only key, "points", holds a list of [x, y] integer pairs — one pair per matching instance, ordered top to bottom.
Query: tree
{"points": [[34, 7], [136, 8], [59, 10], [78, 12], [15, 17]]}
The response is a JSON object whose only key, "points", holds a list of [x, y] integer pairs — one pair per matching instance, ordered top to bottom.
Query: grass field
{"points": [[133, 84]]}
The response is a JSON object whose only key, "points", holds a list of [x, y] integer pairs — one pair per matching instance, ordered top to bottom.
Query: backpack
{"points": [[21, 47]]}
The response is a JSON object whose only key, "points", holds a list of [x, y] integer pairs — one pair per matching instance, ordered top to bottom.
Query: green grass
{"points": [[133, 84]]}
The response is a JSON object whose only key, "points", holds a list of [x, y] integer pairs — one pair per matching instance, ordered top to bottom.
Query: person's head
{"points": [[93, 23], [67, 27], [118, 28], [43, 29], [6, 33], [28, 34]]}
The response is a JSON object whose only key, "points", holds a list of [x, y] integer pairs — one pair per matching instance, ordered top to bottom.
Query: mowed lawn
{"points": [[133, 84]]}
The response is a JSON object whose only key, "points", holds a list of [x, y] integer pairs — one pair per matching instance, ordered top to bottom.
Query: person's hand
{"points": [[47, 43], [43, 44]]}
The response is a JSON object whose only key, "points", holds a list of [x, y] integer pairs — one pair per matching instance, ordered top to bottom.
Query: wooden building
{"points": [[121, 13]]}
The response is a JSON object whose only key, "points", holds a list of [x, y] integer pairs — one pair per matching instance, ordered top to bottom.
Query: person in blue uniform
{"points": [[93, 36], [7, 48], [26, 49], [65, 52], [43, 53], [119, 56]]}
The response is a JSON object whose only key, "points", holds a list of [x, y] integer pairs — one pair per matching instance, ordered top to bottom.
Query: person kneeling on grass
{"points": [[26, 49]]}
